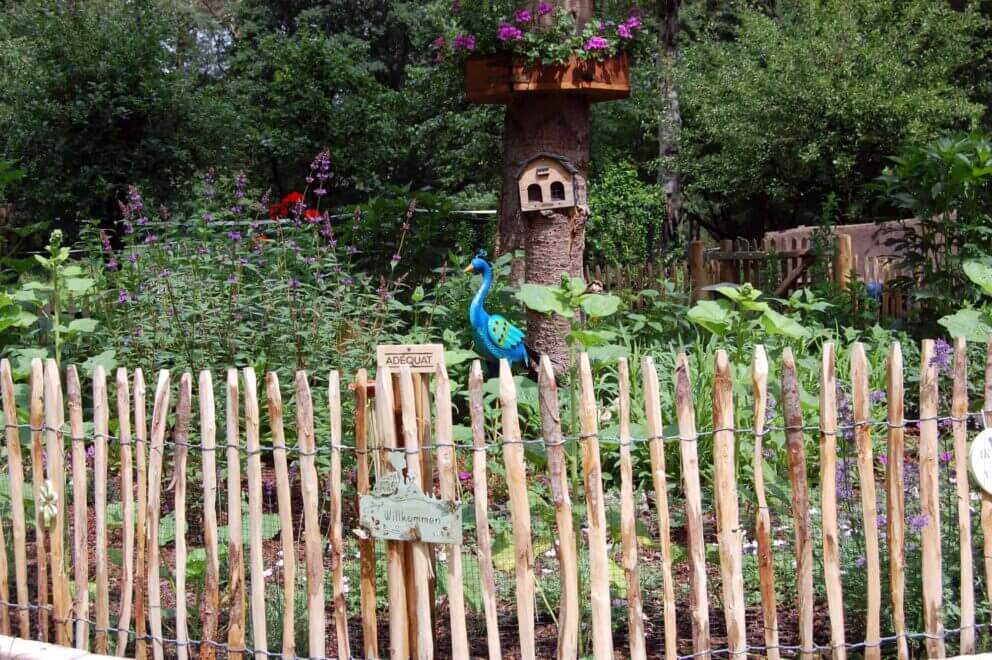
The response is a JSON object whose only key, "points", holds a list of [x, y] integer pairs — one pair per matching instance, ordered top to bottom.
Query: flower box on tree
{"points": [[496, 79]]}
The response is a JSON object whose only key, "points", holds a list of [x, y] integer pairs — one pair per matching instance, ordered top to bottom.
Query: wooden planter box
{"points": [[496, 79]]}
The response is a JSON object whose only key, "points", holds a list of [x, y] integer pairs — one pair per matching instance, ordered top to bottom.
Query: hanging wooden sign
{"points": [[421, 358], [980, 460], [397, 510]]}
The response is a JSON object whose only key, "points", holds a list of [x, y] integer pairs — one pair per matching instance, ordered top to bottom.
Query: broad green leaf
{"points": [[980, 273], [79, 285], [543, 299], [599, 305], [712, 315], [779, 324], [972, 324], [85, 326], [590, 338], [610, 353], [457, 356], [106, 359]]}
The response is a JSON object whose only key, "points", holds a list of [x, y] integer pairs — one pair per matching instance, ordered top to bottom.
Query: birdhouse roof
{"points": [[566, 163]]}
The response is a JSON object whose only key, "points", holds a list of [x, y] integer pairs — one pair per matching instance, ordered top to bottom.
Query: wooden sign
{"points": [[421, 358], [980, 460], [397, 510]]}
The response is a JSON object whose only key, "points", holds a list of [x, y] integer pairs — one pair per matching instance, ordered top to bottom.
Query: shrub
{"points": [[625, 216]]}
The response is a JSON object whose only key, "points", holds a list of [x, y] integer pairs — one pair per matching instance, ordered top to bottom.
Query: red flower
{"points": [[292, 198], [277, 211], [313, 215]]}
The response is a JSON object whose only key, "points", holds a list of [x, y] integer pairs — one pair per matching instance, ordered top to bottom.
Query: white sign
{"points": [[421, 358], [980, 460]]}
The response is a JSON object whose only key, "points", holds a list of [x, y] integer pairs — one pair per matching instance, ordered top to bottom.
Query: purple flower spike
{"points": [[294, 283], [124, 296]]}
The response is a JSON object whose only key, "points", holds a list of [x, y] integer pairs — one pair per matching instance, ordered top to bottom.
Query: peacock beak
{"points": [[469, 268]]}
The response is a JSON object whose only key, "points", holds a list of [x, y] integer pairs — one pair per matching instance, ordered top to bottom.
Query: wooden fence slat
{"points": [[959, 410], [37, 411], [184, 412], [160, 413], [55, 421], [101, 423], [208, 440], [126, 442], [796, 446], [656, 447], [15, 471], [254, 474], [448, 475], [592, 478], [516, 482], [480, 492], [896, 496], [828, 500], [285, 502], [930, 504], [869, 506], [80, 511], [141, 513], [727, 514], [986, 514], [628, 522], [763, 523], [337, 532], [235, 534], [366, 546], [314, 557], [568, 560], [4, 586], [421, 597], [698, 597], [399, 640]]}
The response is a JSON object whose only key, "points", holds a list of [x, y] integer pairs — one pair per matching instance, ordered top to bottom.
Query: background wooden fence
{"points": [[139, 602]]}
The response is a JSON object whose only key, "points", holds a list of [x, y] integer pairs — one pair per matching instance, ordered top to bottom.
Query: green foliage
{"points": [[95, 95], [807, 103], [947, 185], [625, 216]]}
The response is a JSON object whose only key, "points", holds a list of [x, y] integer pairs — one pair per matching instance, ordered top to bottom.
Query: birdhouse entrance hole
{"points": [[534, 193]]}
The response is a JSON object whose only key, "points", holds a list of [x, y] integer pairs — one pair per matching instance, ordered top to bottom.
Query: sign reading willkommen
{"points": [[421, 358], [980, 460]]}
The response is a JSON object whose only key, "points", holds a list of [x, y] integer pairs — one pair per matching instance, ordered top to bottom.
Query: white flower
{"points": [[279, 553], [550, 553], [442, 555], [279, 563], [267, 573]]}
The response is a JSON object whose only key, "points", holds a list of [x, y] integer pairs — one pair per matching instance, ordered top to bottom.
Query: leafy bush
{"points": [[947, 186], [625, 216]]}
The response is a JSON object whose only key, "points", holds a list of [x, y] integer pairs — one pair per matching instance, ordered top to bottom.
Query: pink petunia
{"points": [[544, 8], [522, 16], [507, 32], [624, 32], [465, 42], [596, 43]]}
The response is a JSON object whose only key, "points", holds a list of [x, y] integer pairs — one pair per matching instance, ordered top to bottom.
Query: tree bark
{"points": [[670, 123], [553, 242]]}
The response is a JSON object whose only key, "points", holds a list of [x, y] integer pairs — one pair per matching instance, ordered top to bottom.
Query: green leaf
{"points": [[980, 273], [79, 285], [543, 299], [599, 305], [712, 315], [780, 324], [972, 324], [84, 326], [590, 338], [599, 354], [457, 356], [107, 360]]}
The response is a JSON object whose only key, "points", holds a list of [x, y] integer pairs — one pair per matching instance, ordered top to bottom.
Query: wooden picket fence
{"points": [[52, 590]]}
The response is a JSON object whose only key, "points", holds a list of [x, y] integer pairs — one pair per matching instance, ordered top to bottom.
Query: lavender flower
{"points": [[240, 184], [234, 236], [151, 238], [132, 258], [112, 264], [232, 279], [294, 283], [124, 296], [942, 354], [878, 396], [946, 457], [917, 523]]}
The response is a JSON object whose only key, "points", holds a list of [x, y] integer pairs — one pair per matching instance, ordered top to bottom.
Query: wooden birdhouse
{"points": [[547, 181]]}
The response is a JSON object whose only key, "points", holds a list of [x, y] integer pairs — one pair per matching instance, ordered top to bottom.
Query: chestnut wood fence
{"points": [[147, 616]]}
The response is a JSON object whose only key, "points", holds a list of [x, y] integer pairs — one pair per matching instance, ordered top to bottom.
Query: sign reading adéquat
{"points": [[421, 358]]}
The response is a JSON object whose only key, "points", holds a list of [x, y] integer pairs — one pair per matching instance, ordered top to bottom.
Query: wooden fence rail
{"points": [[148, 523]]}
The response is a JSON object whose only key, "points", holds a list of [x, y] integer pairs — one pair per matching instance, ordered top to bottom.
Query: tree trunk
{"points": [[670, 123], [553, 242]]}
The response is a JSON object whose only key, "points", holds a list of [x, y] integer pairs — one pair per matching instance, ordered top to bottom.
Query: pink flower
{"points": [[544, 8], [522, 16], [633, 22], [507, 32], [624, 32], [465, 42], [438, 43], [596, 43], [883, 459], [464, 476]]}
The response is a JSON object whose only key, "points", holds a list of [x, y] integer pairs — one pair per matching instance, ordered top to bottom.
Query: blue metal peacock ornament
{"points": [[495, 337]]}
